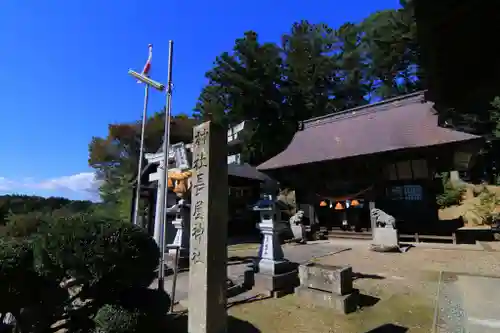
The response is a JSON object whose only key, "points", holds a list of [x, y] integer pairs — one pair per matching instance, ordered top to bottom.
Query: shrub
{"points": [[452, 193], [486, 210], [24, 225], [94, 250], [16, 259], [57, 267], [154, 302], [138, 310], [117, 319]]}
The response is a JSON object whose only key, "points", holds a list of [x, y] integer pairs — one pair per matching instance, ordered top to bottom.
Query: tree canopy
{"points": [[314, 70], [115, 157], [23, 204]]}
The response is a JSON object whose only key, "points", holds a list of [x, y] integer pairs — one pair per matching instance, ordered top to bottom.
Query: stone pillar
{"points": [[171, 200], [181, 223], [157, 226], [208, 245], [273, 272]]}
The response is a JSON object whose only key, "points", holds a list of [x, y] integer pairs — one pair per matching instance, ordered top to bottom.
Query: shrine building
{"points": [[384, 155]]}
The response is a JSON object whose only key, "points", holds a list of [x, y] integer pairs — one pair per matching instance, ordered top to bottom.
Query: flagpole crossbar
{"points": [[144, 79]]}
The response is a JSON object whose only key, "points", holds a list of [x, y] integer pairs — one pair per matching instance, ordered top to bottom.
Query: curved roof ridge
{"points": [[387, 104]]}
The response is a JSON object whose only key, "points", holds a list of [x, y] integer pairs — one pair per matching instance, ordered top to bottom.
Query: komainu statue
{"points": [[296, 219], [382, 219], [297, 227]]}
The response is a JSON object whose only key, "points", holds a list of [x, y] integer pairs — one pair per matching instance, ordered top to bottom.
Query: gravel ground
{"points": [[418, 262], [418, 272], [405, 284]]}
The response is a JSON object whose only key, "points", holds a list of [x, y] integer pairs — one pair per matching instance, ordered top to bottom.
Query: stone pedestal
{"points": [[298, 231], [385, 237], [385, 240], [273, 272], [335, 279], [328, 286], [342, 304]]}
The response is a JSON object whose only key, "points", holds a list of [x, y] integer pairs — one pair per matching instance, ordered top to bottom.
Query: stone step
{"points": [[349, 235]]}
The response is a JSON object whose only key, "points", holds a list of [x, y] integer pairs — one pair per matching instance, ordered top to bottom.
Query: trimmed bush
{"points": [[94, 250], [55, 266], [117, 319]]}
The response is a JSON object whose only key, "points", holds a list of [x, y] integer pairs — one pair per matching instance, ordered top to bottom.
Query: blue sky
{"points": [[64, 69]]}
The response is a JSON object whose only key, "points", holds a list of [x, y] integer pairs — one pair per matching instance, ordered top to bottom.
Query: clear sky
{"points": [[64, 65]]}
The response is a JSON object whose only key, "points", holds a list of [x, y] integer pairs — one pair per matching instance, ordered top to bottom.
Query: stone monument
{"points": [[385, 234], [208, 245], [272, 271], [328, 286]]}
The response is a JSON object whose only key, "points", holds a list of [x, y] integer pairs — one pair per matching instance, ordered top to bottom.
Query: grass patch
{"points": [[243, 247], [289, 313]]}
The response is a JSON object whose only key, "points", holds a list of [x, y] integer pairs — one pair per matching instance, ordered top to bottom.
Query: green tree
{"points": [[390, 38], [308, 71], [353, 72], [245, 85], [115, 157], [23, 204]]}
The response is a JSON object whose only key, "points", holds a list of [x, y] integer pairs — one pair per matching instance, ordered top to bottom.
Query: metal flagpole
{"points": [[145, 73], [141, 155], [163, 178]]}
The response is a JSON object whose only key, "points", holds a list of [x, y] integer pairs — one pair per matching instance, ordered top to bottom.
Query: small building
{"points": [[384, 154]]}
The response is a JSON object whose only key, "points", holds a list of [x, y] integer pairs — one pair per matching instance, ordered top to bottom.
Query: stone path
{"points": [[295, 253], [469, 303]]}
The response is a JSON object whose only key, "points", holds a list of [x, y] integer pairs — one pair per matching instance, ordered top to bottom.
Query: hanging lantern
{"points": [[354, 203], [323, 204], [338, 206]]}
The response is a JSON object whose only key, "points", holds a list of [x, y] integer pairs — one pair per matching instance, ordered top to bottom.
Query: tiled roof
{"points": [[399, 123]]}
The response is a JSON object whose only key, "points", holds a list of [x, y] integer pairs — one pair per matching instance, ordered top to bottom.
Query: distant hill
{"points": [[22, 204]]}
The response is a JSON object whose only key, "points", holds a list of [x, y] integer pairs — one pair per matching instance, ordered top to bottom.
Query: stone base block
{"points": [[385, 237], [274, 267], [334, 279], [283, 281], [341, 304]]}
